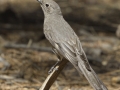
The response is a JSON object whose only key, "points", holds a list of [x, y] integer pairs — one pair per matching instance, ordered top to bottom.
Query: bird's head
{"points": [[50, 7]]}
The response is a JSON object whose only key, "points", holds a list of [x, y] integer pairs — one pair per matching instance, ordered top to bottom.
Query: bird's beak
{"points": [[40, 1]]}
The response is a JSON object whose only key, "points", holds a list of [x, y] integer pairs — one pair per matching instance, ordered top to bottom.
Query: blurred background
{"points": [[25, 54]]}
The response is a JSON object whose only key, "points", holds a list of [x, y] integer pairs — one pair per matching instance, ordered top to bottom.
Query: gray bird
{"points": [[66, 43]]}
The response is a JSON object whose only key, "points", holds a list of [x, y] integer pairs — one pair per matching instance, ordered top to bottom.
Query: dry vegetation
{"points": [[25, 56]]}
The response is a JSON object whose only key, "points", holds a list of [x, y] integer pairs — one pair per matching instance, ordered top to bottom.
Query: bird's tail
{"points": [[91, 76]]}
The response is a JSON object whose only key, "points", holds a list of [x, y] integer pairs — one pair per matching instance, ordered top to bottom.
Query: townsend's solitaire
{"points": [[66, 43]]}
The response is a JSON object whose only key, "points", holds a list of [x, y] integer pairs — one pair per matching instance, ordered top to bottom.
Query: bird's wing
{"points": [[69, 46]]}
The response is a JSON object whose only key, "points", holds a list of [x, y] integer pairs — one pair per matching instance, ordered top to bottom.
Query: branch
{"points": [[23, 46], [53, 75]]}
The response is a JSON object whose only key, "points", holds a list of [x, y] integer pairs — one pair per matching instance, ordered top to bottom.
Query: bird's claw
{"points": [[52, 69]]}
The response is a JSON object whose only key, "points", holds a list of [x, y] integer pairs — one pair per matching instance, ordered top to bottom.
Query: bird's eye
{"points": [[47, 5]]}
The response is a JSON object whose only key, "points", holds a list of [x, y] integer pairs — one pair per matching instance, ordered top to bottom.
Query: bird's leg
{"points": [[59, 60]]}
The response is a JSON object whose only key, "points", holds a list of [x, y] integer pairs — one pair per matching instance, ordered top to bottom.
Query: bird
{"points": [[66, 44]]}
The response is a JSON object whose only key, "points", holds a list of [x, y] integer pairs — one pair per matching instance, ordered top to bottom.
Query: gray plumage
{"points": [[66, 42]]}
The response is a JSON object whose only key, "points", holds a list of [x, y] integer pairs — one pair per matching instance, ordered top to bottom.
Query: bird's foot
{"points": [[53, 67]]}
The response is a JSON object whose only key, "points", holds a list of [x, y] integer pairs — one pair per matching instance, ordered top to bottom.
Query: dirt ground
{"points": [[26, 56], [26, 68]]}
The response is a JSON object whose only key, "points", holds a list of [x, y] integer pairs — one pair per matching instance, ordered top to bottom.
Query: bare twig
{"points": [[29, 43], [23, 46], [53, 75], [6, 77]]}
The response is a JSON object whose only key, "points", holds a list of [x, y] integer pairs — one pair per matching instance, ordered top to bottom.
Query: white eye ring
{"points": [[47, 5]]}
